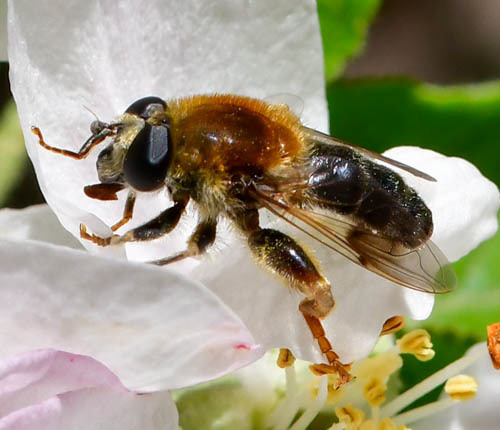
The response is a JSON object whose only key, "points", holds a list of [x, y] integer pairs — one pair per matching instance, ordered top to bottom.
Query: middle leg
{"points": [[157, 227], [201, 239]]}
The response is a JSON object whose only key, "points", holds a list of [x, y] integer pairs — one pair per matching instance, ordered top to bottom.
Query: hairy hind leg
{"points": [[285, 257]]}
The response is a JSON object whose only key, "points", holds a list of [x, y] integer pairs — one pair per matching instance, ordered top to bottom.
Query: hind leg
{"points": [[284, 256]]}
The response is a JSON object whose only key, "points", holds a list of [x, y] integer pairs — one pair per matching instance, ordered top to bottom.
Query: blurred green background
{"points": [[417, 72]]}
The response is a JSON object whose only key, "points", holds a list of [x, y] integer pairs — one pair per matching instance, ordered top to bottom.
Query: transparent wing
{"points": [[295, 103], [317, 136], [424, 269]]}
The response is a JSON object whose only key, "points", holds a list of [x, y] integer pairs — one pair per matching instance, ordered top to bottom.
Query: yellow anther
{"points": [[392, 325], [417, 342], [285, 358], [381, 365], [461, 387], [374, 391], [334, 392], [350, 416], [387, 424], [368, 425]]}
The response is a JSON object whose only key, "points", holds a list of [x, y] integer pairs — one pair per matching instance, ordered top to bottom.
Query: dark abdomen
{"points": [[344, 181]]}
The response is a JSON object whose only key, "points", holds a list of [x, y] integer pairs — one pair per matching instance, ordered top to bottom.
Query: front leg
{"points": [[104, 131], [107, 191], [128, 211], [157, 227]]}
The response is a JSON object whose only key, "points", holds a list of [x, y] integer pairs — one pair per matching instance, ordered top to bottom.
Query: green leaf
{"points": [[344, 24], [381, 113], [461, 120], [12, 151], [476, 303], [223, 404]]}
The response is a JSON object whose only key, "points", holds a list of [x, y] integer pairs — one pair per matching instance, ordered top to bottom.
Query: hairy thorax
{"points": [[222, 141]]}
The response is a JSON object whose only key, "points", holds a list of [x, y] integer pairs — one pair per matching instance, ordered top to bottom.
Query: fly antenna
{"points": [[92, 112]]}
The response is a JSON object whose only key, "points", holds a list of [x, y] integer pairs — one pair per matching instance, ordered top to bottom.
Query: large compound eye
{"points": [[146, 106], [147, 160]]}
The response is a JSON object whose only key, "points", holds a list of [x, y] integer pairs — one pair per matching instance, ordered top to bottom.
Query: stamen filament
{"points": [[428, 384], [315, 406], [423, 411], [375, 413], [281, 418], [337, 426]]}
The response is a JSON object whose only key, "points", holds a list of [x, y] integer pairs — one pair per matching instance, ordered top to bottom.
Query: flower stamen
{"points": [[392, 325], [418, 343], [285, 358], [428, 384], [461, 387], [374, 391], [314, 408], [423, 411], [283, 415], [350, 416]]}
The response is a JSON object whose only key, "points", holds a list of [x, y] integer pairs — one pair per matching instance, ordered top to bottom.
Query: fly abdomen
{"points": [[337, 181], [344, 181]]}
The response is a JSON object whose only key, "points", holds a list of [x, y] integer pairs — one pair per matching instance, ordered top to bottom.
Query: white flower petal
{"points": [[3, 30], [67, 54], [94, 61], [463, 202], [35, 223], [364, 301], [153, 328], [56, 390], [480, 413]]}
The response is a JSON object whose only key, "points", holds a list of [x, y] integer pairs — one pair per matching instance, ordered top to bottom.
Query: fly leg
{"points": [[105, 131], [106, 191], [128, 211], [159, 226], [201, 239], [282, 255]]}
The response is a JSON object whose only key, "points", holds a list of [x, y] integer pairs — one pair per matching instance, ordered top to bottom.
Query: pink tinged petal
{"points": [[68, 54], [463, 202], [155, 329], [32, 377], [57, 390], [97, 409]]}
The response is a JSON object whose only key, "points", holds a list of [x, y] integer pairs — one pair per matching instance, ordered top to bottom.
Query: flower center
{"points": [[360, 405]]}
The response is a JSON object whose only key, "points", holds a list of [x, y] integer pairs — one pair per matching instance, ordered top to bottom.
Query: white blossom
{"points": [[68, 54]]}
